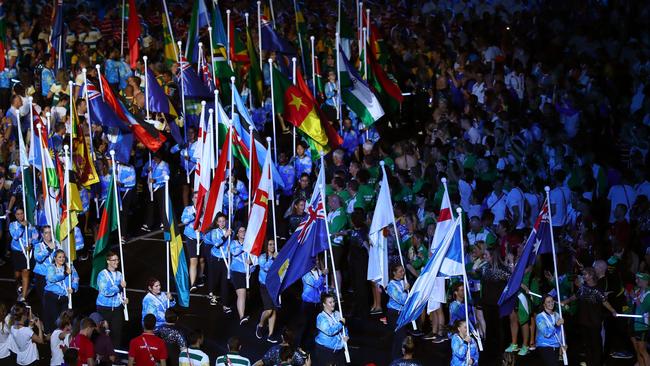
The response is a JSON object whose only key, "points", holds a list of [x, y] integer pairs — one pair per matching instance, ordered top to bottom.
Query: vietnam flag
{"points": [[133, 34], [298, 108], [258, 217]]}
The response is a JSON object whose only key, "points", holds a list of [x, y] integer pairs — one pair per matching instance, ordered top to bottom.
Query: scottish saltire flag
{"points": [[271, 41], [539, 242], [177, 254], [298, 255], [446, 261]]}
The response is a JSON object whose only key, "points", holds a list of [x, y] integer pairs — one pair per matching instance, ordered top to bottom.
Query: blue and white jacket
{"points": [[56, 280], [110, 289]]}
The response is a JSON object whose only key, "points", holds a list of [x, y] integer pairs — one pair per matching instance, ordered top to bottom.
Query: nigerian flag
{"points": [[107, 225]]}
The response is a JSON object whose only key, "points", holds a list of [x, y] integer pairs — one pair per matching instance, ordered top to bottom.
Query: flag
{"points": [[198, 20], [134, 32], [3, 36], [57, 39], [271, 41], [169, 47], [238, 52], [222, 70], [254, 73], [206, 75], [192, 85], [320, 86], [388, 90], [158, 100], [361, 100], [241, 108], [297, 108], [100, 112], [145, 132], [121, 143], [81, 159], [203, 164], [26, 176], [214, 204], [382, 217], [257, 219], [444, 223], [107, 225], [62, 231], [539, 242], [177, 254], [298, 255], [446, 261]]}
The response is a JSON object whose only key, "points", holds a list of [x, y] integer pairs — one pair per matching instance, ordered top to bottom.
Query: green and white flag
{"points": [[359, 98]]}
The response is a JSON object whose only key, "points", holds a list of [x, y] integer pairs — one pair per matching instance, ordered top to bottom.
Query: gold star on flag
{"points": [[296, 102]]}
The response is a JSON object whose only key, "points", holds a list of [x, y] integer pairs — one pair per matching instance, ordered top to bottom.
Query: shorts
{"points": [[190, 247], [205, 250], [20, 262], [238, 280], [267, 302]]}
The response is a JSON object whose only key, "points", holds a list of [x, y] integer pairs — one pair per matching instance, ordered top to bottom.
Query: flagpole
{"points": [[272, 13], [169, 25], [360, 25], [122, 34], [228, 36], [259, 38], [365, 50], [198, 64], [293, 65], [313, 66], [214, 74], [99, 77], [338, 81], [70, 83], [146, 86], [182, 89], [250, 93], [232, 97], [47, 124], [90, 126], [216, 129], [31, 134], [275, 146], [250, 167], [22, 175], [66, 179], [149, 183], [547, 189], [46, 190], [230, 206], [459, 211], [119, 232], [275, 232], [329, 243], [167, 252]]}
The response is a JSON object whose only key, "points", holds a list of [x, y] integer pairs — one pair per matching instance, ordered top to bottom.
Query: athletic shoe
{"points": [[145, 228], [200, 282], [193, 288], [19, 290], [213, 300], [227, 310], [376, 311], [243, 320], [258, 331], [416, 333], [429, 336], [443, 337], [271, 339], [437, 339], [532, 347], [512, 348], [523, 351], [622, 355]]}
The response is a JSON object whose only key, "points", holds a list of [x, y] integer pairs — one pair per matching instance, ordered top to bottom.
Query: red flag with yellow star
{"points": [[297, 108]]}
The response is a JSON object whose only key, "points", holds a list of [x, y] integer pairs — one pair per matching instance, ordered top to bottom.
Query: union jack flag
{"points": [[206, 75], [314, 213]]}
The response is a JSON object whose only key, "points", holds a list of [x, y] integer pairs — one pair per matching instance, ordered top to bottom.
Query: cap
{"points": [[643, 276], [96, 317]]}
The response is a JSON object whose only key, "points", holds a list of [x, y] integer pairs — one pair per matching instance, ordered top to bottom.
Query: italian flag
{"points": [[359, 98], [107, 225]]}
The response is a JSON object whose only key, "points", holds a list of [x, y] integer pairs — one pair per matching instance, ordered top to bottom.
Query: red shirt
{"points": [[85, 347], [145, 347]]}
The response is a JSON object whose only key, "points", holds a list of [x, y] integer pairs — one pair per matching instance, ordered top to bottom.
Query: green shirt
{"points": [[367, 195], [338, 221], [642, 307]]}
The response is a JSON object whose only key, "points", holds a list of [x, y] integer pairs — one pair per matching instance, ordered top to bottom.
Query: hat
{"points": [[612, 260], [643, 276], [96, 317]]}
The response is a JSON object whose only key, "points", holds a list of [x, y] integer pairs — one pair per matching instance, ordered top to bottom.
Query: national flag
{"points": [[198, 20], [133, 32], [3, 36], [57, 39], [375, 39], [271, 41], [169, 47], [238, 51], [222, 70], [343, 72], [254, 73], [206, 75], [192, 85], [320, 86], [387, 89], [158, 100], [361, 100], [241, 108], [297, 108], [101, 113], [146, 133], [121, 143], [81, 159], [203, 164], [26, 176], [50, 184], [214, 204], [259, 212], [382, 217], [107, 225], [62, 231], [539, 242], [177, 254], [298, 255], [446, 261]]}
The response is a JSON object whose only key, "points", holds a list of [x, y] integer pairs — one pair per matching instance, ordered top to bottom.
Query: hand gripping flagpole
{"points": [[67, 167], [547, 189], [119, 234], [167, 251], [336, 282]]}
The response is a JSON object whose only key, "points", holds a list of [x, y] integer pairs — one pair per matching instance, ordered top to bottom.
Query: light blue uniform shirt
{"points": [[6, 76], [47, 79], [190, 164], [302, 165], [158, 174], [288, 174], [126, 176], [104, 183], [84, 194], [239, 198], [187, 218], [19, 235], [78, 239], [216, 239], [44, 257], [239, 257], [265, 263], [56, 280], [313, 285], [110, 290], [396, 295], [156, 305], [330, 330], [548, 334], [459, 351]]}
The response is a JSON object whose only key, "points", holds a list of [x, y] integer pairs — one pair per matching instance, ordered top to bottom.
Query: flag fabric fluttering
{"points": [[198, 20], [133, 32], [3, 36], [57, 37], [271, 41], [169, 47], [222, 70], [255, 82], [388, 90], [158, 100], [361, 100], [81, 158], [203, 165], [214, 203], [259, 213], [382, 218], [107, 225], [539, 242], [177, 255], [298, 255], [446, 261]]}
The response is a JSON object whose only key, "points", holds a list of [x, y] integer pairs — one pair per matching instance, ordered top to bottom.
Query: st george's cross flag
{"points": [[258, 217]]}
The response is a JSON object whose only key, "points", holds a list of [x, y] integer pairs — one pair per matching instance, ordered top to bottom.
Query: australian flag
{"points": [[538, 242], [298, 255]]}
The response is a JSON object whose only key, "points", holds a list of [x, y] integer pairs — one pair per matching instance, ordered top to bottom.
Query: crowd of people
{"points": [[502, 98]]}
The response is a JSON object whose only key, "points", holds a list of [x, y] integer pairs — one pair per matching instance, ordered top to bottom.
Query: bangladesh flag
{"points": [[107, 225]]}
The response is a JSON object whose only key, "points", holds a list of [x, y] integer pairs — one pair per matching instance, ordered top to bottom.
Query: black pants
{"points": [[127, 203], [157, 206], [359, 277], [218, 278], [39, 283], [53, 305], [115, 319], [307, 324], [398, 336], [593, 345], [549, 355], [326, 357]]}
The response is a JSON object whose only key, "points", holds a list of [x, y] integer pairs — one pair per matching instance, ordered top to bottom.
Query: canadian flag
{"points": [[217, 188], [256, 231]]}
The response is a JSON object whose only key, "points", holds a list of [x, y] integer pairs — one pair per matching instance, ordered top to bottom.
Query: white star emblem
{"points": [[536, 245]]}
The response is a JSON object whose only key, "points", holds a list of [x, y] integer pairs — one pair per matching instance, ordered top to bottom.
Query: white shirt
{"points": [[516, 83], [478, 89], [465, 189], [621, 194], [516, 198], [560, 200], [497, 204], [535, 204], [6, 341], [56, 345], [26, 351], [196, 358]]}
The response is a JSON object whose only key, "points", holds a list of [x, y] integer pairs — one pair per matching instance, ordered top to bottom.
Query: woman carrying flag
{"points": [[22, 235], [218, 240], [240, 261], [57, 288], [397, 295], [156, 302], [268, 314], [549, 333], [331, 334], [460, 342]]}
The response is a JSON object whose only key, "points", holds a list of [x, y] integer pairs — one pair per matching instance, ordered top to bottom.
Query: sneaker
{"points": [[145, 228], [200, 282], [193, 288], [20, 298], [213, 300], [227, 310], [375, 311], [243, 320], [258, 331], [416, 333], [429, 336], [443, 337], [271, 339], [437, 339], [532, 347], [512, 348], [523, 351], [622, 355]]}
